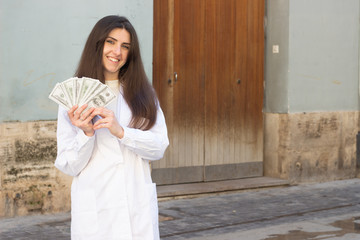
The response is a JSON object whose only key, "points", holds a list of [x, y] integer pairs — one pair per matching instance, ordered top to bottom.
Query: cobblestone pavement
{"points": [[310, 211]]}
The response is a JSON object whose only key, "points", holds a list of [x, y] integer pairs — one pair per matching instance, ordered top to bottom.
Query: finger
{"points": [[82, 108], [71, 111], [79, 111], [89, 111], [95, 112], [103, 112], [86, 115], [88, 118], [102, 125]]}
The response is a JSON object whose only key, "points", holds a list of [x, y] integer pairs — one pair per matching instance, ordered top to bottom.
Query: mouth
{"points": [[115, 60]]}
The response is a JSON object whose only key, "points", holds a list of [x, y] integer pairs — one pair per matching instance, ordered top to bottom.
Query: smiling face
{"points": [[115, 53]]}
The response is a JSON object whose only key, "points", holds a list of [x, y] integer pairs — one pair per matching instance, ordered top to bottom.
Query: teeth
{"points": [[113, 59]]}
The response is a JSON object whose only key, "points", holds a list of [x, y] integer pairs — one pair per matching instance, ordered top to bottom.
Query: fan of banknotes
{"points": [[80, 91]]}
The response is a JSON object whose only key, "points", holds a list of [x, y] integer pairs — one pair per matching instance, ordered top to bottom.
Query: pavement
{"points": [[328, 210]]}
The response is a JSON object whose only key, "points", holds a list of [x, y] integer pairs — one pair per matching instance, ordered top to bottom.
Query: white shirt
{"points": [[114, 85], [112, 193]]}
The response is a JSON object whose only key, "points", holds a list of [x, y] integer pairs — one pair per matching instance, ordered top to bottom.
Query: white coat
{"points": [[112, 194]]}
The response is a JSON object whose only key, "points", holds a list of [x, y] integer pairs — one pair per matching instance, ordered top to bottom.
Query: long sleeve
{"points": [[150, 144], [74, 148]]}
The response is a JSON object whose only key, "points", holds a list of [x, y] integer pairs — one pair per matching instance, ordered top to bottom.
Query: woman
{"points": [[108, 150]]}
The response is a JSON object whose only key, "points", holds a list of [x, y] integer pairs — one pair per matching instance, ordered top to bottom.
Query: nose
{"points": [[117, 50]]}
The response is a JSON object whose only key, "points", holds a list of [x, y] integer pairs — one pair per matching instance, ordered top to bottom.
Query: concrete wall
{"points": [[41, 44], [311, 94]]}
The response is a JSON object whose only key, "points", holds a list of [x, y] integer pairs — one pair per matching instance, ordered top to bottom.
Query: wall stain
{"points": [[29, 79], [314, 128], [44, 149], [13, 171], [29, 183], [33, 199]]}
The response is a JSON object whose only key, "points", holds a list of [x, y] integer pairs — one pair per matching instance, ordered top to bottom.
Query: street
{"points": [[308, 211]]}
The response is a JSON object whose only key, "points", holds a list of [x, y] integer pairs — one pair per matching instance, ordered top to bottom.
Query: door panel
{"points": [[163, 57], [220, 82], [188, 87], [213, 104]]}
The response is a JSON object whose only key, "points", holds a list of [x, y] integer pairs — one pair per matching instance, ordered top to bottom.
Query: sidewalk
{"points": [[310, 211], [320, 211]]}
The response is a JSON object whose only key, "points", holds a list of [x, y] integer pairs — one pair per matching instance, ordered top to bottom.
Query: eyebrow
{"points": [[117, 40]]}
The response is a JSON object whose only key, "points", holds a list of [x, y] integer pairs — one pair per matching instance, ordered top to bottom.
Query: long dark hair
{"points": [[138, 92]]}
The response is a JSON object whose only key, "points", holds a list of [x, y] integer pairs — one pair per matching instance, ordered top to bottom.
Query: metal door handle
{"points": [[175, 76]]}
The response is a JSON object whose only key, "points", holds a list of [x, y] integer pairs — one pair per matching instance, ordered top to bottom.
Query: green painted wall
{"points": [[41, 43], [317, 67]]}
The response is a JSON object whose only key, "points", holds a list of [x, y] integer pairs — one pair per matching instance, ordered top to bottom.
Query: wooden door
{"points": [[208, 72]]}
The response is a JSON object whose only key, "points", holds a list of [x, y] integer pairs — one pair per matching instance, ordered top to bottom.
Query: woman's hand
{"points": [[82, 119], [108, 121]]}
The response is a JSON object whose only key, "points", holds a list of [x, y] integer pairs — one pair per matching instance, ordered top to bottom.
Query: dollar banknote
{"points": [[68, 87], [80, 91], [91, 91], [58, 96], [101, 98]]}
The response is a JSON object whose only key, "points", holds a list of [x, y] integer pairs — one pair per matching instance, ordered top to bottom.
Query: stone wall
{"points": [[311, 147], [29, 182]]}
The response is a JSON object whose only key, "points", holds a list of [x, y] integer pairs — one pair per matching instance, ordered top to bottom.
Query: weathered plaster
{"points": [[301, 147], [306, 147], [29, 181]]}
